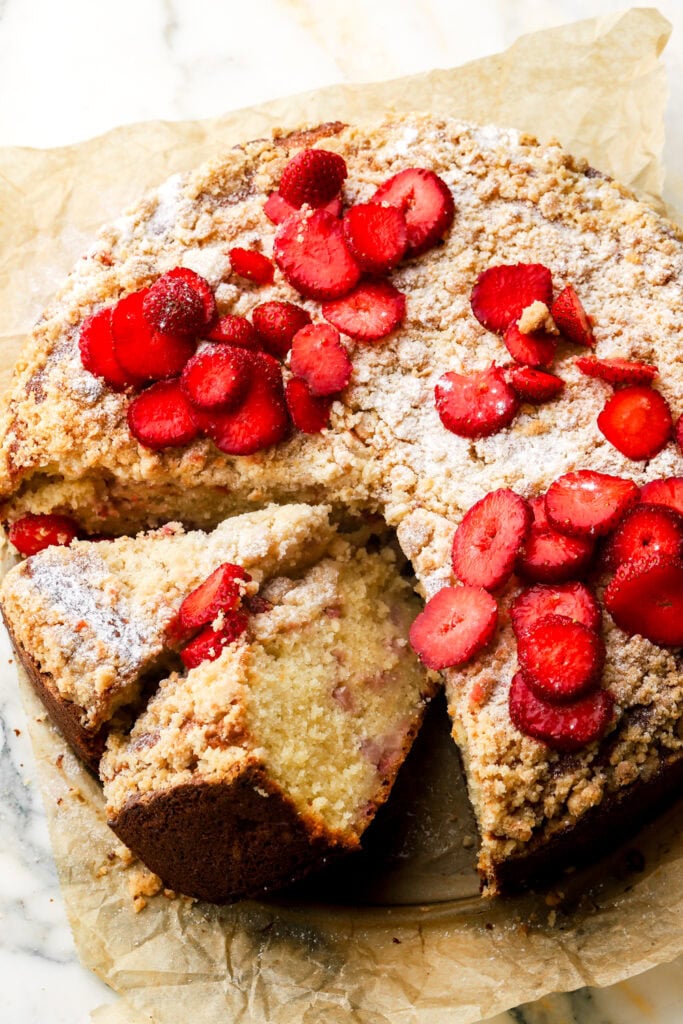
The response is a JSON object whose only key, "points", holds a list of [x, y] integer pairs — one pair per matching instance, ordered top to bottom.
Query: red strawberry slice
{"points": [[313, 176], [426, 203], [278, 209], [377, 236], [311, 253], [251, 264], [502, 293], [180, 302], [371, 311], [571, 318], [276, 323], [234, 330], [96, 345], [139, 349], [534, 349], [320, 358], [617, 371], [217, 378], [534, 385], [475, 404], [309, 414], [162, 417], [261, 419], [637, 421], [678, 433], [664, 492], [588, 504], [645, 530], [34, 531], [489, 538], [550, 556], [220, 592], [645, 598], [572, 601], [456, 624], [210, 643], [561, 659], [564, 727]]}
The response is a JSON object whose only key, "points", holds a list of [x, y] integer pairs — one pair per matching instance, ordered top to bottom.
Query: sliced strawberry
{"points": [[313, 176], [426, 203], [278, 209], [377, 236], [311, 253], [251, 264], [502, 293], [180, 302], [371, 311], [571, 318], [276, 323], [234, 330], [96, 345], [139, 349], [534, 349], [320, 358], [617, 371], [217, 378], [534, 385], [475, 404], [309, 413], [162, 417], [261, 420], [637, 421], [678, 432], [664, 492], [588, 504], [645, 530], [34, 531], [489, 538], [550, 556], [220, 592], [645, 598], [571, 600], [455, 625], [210, 643], [561, 659], [564, 727]]}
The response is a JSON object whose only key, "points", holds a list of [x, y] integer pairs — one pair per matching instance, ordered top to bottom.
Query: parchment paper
{"points": [[598, 87]]}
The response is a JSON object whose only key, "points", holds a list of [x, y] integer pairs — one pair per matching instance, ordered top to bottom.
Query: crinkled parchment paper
{"points": [[413, 943]]}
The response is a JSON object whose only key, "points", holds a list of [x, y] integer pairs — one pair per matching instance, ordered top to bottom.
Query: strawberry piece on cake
{"points": [[314, 176], [426, 203], [277, 209], [377, 235], [311, 252], [252, 265], [503, 292], [180, 302], [371, 311], [571, 318], [276, 323], [234, 330], [96, 345], [536, 349], [141, 350], [319, 357], [617, 371], [217, 378], [533, 385], [475, 404], [309, 413], [162, 417], [637, 421], [667, 492], [588, 504], [645, 530], [34, 532], [489, 538], [550, 556], [220, 592], [645, 598], [574, 601], [456, 624], [210, 643], [561, 659], [563, 727]]}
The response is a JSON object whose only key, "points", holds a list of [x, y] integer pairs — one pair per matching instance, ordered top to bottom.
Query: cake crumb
{"points": [[537, 317]]}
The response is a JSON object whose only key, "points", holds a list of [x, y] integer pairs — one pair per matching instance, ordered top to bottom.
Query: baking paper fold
{"points": [[599, 88]]}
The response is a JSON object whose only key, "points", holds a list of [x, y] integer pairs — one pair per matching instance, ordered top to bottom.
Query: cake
{"points": [[506, 257]]}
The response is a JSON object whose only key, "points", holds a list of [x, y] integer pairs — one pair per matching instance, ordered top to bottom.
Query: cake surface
{"points": [[66, 446]]}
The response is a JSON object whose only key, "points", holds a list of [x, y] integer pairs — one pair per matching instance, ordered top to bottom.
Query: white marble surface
{"points": [[74, 68]]}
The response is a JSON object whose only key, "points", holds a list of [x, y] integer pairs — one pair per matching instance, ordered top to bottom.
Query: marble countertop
{"points": [[76, 68]]}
